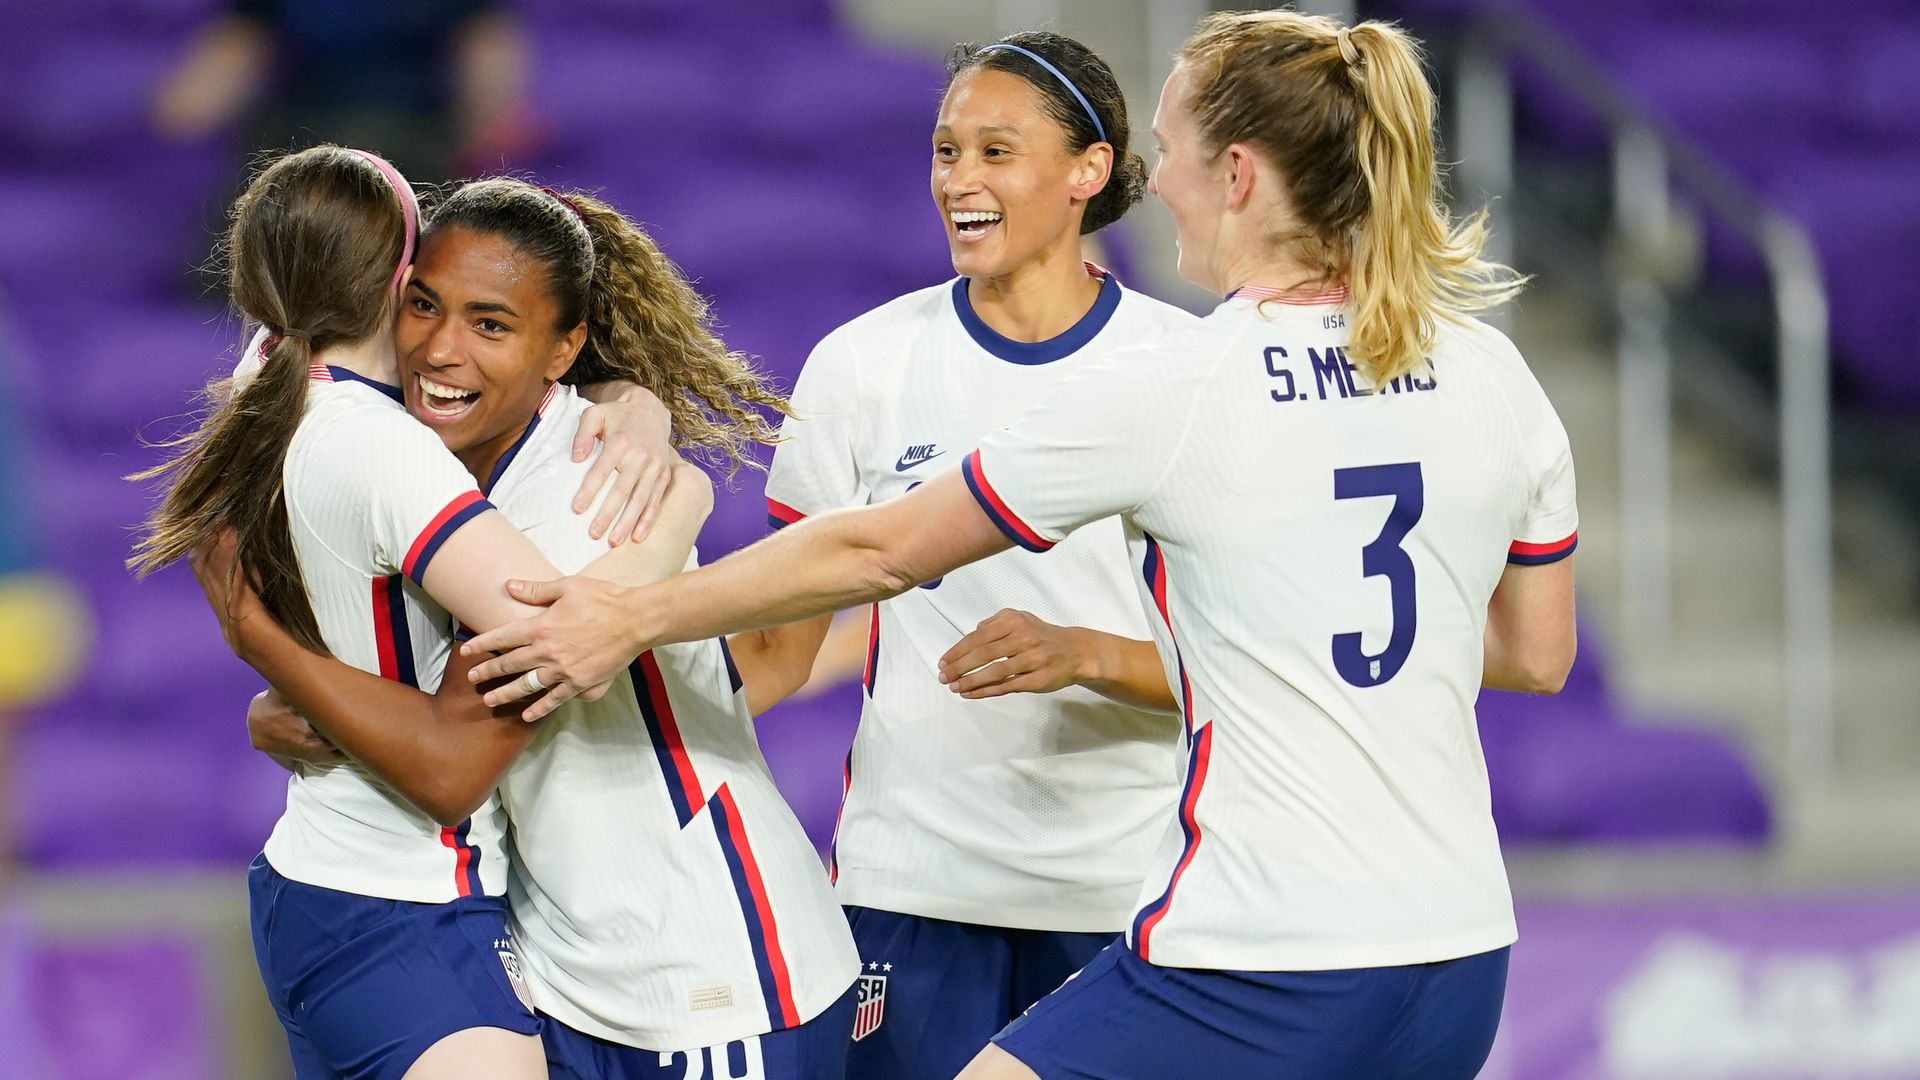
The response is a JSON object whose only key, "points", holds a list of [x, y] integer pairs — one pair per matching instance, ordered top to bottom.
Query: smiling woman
{"points": [[547, 275], [991, 840]]}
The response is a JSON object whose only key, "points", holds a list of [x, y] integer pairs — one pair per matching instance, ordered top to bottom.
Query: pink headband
{"points": [[409, 209]]}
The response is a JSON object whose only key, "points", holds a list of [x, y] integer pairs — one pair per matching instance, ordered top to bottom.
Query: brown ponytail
{"points": [[1347, 115], [310, 256]]}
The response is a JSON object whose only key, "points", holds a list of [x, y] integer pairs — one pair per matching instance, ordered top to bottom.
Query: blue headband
{"points": [[1058, 74]]}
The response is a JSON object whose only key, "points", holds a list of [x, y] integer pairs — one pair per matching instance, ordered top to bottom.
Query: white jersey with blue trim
{"points": [[371, 496], [1317, 554], [1031, 811], [664, 895]]}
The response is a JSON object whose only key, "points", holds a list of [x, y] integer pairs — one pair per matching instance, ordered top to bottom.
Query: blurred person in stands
{"points": [[441, 82], [1352, 507]]}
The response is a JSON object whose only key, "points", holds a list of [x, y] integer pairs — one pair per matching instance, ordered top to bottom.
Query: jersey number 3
{"points": [[1384, 557]]}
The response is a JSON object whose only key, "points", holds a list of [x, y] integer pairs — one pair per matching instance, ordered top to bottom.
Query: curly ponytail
{"points": [[1348, 116], [645, 323]]}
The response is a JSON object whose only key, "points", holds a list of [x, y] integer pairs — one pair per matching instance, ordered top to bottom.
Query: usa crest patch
{"points": [[870, 1005]]}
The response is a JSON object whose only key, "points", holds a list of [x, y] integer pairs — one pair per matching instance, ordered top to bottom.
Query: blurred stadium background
{"points": [[1714, 833]]}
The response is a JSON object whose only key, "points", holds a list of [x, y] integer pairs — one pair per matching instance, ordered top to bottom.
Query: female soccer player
{"points": [[1330, 585], [986, 850], [671, 916], [376, 928]]}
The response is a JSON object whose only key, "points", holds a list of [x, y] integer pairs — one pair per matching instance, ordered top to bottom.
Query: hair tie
{"points": [[1348, 51], [1058, 74], [566, 202], [409, 209], [300, 334]]}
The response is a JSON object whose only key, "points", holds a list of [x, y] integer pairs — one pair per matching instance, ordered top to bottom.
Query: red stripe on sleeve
{"points": [[997, 508], [431, 532], [1521, 547]]}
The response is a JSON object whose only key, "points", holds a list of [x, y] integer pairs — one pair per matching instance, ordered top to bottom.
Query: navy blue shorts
{"points": [[364, 986], [933, 992], [1124, 1017], [816, 1050]]}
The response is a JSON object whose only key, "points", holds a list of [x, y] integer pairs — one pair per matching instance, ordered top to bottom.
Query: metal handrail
{"points": [[1649, 155]]}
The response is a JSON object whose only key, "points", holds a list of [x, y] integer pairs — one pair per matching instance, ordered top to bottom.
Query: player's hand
{"points": [[635, 463], [228, 588], [584, 639], [1012, 652], [286, 737]]}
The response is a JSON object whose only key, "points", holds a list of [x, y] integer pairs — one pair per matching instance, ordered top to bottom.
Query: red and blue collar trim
{"points": [[333, 374], [506, 459]]}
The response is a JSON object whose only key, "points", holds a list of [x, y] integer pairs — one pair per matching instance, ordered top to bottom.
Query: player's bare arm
{"points": [[821, 565], [1530, 629], [1016, 652], [776, 662], [434, 749], [446, 751]]}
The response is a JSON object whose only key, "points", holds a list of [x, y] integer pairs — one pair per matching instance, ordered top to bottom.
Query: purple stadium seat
{"points": [[158, 17], [772, 17], [1878, 66], [88, 92], [662, 96], [1864, 215], [58, 225], [123, 375], [1560, 777], [79, 788]]}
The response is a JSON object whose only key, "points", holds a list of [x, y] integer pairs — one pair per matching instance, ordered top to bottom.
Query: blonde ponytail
{"points": [[1347, 115]]}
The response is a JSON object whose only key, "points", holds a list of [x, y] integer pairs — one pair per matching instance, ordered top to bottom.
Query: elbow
{"points": [[887, 575], [1547, 674], [452, 802]]}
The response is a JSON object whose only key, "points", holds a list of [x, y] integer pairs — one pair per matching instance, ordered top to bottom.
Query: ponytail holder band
{"points": [[1348, 51], [1058, 74], [566, 202], [409, 209], [300, 335]]}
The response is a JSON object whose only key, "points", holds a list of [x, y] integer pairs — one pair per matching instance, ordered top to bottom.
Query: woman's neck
{"points": [[1282, 273], [1038, 300], [371, 358]]}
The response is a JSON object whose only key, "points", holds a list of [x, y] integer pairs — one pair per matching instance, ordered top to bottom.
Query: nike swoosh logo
{"points": [[909, 460]]}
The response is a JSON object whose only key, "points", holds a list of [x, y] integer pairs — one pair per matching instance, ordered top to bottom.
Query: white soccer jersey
{"points": [[371, 496], [1318, 556], [1038, 812], [664, 895]]}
